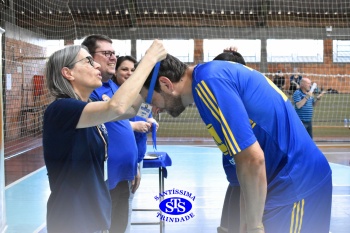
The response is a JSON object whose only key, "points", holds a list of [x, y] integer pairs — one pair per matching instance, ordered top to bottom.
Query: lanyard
{"points": [[153, 83], [149, 99], [104, 141]]}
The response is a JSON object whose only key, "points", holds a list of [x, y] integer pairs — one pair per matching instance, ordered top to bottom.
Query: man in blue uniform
{"points": [[122, 149], [285, 179], [230, 216]]}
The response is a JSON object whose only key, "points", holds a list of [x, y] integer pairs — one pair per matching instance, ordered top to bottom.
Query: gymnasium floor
{"points": [[195, 169]]}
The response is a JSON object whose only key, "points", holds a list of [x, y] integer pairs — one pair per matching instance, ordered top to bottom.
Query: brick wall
{"points": [[23, 60], [326, 74]]}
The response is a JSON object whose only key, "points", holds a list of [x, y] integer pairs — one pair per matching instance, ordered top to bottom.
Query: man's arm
{"points": [[295, 83], [318, 98], [303, 101], [121, 102], [251, 172]]}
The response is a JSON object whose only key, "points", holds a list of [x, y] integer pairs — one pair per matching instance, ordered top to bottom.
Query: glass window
{"points": [[53, 45], [122, 47], [181, 49], [249, 49], [294, 50], [341, 50]]}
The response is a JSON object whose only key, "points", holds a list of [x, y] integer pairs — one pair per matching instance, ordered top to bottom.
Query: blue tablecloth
{"points": [[163, 160]]}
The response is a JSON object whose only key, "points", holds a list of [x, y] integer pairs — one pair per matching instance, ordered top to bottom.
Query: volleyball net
{"points": [[294, 37]]}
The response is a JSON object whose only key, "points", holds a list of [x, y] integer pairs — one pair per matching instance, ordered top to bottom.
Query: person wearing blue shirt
{"points": [[124, 68], [294, 82], [305, 102], [75, 140], [122, 149], [122, 164], [285, 180], [230, 215]]}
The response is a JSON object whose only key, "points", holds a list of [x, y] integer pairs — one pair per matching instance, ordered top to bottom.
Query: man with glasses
{"points": [[108, 53], [122, 149]]}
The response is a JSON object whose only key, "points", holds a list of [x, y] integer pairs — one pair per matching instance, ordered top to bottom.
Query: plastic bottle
{"points": [[313, 87], [345, 122]]}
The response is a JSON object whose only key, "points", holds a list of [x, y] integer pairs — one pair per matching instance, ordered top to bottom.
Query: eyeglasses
{"points": [[108, 54], [90, 60]]}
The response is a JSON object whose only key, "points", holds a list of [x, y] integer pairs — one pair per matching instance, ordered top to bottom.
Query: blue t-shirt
{"points": [[241, 106], [305, 112], [141, 140], [122, 149], [74, 158]]}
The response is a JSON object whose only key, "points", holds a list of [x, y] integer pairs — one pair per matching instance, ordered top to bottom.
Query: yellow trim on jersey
{"points": [[199, 92], [285, 98], [209, 100], [222, 117], [252, 123], [212, 130], [217, 139], [296, 220]]}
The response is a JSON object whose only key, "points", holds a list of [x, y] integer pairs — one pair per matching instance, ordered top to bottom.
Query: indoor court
{"points": [[280, 37], [195, 168]]}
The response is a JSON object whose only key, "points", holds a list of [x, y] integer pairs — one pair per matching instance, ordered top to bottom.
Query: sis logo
{"points": [[175, 205]]}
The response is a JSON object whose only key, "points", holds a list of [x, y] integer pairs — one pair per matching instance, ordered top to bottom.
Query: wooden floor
{"points": [[196, 169]]}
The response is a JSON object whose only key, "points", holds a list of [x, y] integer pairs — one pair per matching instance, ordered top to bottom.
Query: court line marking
{"points": [[24, 177], [41, 227]]}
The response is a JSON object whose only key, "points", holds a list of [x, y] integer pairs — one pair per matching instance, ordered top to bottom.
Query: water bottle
{"points": [[345, 122]]}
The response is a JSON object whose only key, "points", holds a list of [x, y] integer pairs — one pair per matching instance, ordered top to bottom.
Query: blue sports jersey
{"points": [[241, 106], [122, 149]]}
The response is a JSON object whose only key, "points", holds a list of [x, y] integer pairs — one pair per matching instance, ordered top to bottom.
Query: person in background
{"points": [[231, 54], [125, 67], [279, 80], [294, 81], [305, 102], [256, 127], [75, 140], [123, 152], [230, 215]]}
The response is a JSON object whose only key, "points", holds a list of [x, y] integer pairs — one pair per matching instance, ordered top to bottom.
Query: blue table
{"points": [[159, 160]]}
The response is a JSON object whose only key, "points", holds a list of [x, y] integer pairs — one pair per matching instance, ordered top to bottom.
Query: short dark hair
{"points": [[91, 41], [231, 56], [121, 59], [170, 67]]}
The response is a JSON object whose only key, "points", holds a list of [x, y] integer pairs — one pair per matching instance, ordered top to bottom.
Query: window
{"points": [[53, 45], [122, 47], [181, 49], [249, 49], [294, 50], [341, 50]]}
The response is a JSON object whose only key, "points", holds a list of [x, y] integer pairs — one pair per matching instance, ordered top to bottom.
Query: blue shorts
{"points": [[309, 215]]}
